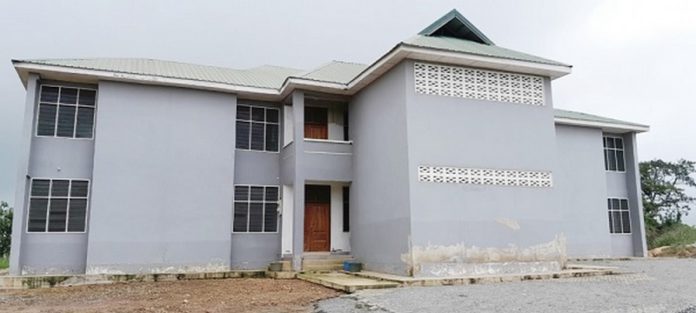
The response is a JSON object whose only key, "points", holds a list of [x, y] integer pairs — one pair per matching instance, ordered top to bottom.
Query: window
{"points": [[66, 112], [257, 128], [614, 154], [58, 205], [255, 209], [346, 209], [619, 221]]}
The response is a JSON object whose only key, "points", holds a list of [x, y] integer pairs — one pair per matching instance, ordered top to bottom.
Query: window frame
{"points": [[77, 105], [265, 122], [614, 150], [48, 205], [612, 210], [263, 215]]}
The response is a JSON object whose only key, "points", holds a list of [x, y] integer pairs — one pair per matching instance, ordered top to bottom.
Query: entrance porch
{"points": [[325, 227]]}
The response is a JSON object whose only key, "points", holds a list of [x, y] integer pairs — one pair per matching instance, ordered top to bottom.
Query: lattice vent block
{"points": [[452, 81], [483, 176]]}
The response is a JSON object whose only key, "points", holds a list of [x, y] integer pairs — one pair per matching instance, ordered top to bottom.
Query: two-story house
{"points": [[443, 157]]}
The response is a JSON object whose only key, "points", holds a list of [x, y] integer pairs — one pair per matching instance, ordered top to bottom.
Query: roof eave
{"points": [[23, 68], [605, 126]]}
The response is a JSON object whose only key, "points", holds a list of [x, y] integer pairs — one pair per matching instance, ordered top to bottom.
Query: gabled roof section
{"points": [[455, 25], [475, 48]]}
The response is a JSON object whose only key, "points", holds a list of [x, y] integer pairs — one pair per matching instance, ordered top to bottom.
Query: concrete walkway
{"points": [[645, 286]]}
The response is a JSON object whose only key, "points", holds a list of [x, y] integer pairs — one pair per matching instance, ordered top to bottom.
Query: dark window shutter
{"points": [[47, 120], [85, 122], [242, 135], [346, 209], [57, 214], [77, 215], [255, 217]]}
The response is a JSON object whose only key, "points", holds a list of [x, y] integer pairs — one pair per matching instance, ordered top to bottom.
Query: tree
{"points": [[665, 200], [5, 228]]}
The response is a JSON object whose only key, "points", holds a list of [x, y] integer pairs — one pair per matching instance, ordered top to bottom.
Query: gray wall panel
{"points": [[163, 180], [379, 196]]}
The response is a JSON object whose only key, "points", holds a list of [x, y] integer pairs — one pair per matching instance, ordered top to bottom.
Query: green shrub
{"points": [[678, 234], [4, 263]]}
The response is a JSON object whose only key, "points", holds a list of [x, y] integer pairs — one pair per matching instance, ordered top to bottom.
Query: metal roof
{"points": [[472, 47], [336, 72], [266, 76], [584, 119]]}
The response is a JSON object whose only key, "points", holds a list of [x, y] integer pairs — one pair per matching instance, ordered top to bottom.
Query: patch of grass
{"points": [[676, 235], [4, 263]]}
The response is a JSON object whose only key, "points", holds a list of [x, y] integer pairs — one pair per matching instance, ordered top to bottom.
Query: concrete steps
{"points": [[324, 262], [345, 282]]}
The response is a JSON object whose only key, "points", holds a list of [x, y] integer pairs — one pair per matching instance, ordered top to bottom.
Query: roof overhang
{"points": [[399, 53], [608, 127]]}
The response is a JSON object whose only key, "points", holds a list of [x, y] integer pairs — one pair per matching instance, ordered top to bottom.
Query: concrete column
{"points": [[299, 180], [22, 181], [640, 246]]}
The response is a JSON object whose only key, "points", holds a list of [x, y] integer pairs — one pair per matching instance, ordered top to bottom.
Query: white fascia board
{"points": [[452, 57], [145, 79], [609, 127]]}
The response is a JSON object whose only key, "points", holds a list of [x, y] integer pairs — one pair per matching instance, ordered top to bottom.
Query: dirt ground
{"points": [[225, 295]]}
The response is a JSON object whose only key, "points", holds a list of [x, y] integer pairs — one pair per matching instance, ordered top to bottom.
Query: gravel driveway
{"points": [[653, 285]]}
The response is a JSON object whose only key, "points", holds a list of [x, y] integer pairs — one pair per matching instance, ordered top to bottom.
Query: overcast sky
{"points": [[633, 60]]}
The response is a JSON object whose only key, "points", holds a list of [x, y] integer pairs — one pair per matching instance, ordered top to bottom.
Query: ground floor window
{"points": [[58, 205], [255, 209], [619, 221]]}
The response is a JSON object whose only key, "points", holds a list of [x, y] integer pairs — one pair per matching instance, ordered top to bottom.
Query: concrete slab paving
{"points": [[345, 282]]}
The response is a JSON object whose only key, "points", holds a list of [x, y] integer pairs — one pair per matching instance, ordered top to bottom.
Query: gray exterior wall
{"points": [[467, 133], [163, 180], [627, 185], [580, 191], [380, 215], [257, 250], [49, 253]]}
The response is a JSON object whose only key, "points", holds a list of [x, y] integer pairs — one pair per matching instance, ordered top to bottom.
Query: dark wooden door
{"points": [[316, 123], [317, 226], [317, 234]]}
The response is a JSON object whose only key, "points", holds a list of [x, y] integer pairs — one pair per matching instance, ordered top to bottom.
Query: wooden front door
{"points": [[316, 123], [317, 226]]}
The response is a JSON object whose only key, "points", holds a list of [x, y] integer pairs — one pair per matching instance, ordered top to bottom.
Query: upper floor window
{"points": [[66, 112], [257, 128], [614, 154], [58, 205], [255, 209], [619, 221]]}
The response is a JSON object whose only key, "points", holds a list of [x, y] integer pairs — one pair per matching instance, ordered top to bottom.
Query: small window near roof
{"points": [[66, 112], [258, 128], [614, 154]]}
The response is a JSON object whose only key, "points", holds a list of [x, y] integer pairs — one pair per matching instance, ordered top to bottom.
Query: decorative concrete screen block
{"points": [[453, 81], [481, 176]]}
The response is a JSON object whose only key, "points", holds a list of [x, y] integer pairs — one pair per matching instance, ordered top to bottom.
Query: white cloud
{"points": [[631, 20]]}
